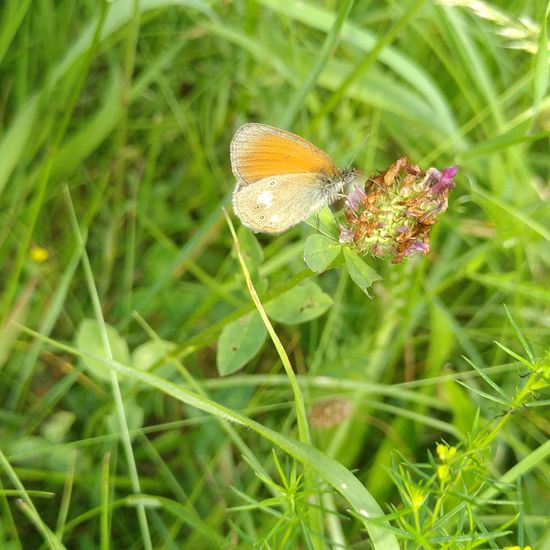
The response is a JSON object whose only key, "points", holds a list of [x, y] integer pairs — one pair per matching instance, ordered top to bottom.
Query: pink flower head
{"points": [[393, 214]]}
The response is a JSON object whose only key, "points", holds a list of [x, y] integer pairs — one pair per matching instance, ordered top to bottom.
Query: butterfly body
{"points": [[282, 179]]}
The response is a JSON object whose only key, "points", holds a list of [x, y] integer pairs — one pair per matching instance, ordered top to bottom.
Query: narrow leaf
{"points": [[524, 342], [485, 377]]}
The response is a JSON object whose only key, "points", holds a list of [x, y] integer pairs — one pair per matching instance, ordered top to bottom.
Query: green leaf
{"points": [[325, 222], [250, 247], [320, 252], [361, 274], [302, 303], [88, 339], [239, 342], [524, 342], [154, 353], [56, 427]]}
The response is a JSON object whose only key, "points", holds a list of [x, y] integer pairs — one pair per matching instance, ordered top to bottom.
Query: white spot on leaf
{"points": [[344, 485], [364, 513]]}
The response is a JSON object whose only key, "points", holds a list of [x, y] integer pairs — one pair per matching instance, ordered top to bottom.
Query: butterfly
{"points": [[282, 179]]}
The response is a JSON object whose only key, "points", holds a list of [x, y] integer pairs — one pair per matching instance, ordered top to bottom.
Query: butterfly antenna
{"points": [[357, 151]]}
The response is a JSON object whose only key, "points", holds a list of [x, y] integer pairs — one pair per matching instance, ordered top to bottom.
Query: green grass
{"points": [[165, 386]]}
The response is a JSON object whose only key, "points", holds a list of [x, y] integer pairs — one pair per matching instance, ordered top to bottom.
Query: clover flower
{"points": [[393, 214]]}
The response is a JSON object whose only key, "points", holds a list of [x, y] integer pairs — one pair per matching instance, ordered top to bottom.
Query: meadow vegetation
{"points": [[167, 381]]}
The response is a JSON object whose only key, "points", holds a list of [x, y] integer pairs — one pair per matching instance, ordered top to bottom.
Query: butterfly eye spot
{"points": [[272, 183], [257, 207], [262, 217]]}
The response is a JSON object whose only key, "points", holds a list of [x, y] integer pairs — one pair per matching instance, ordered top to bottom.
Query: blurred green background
{"points": [[116, 119]]}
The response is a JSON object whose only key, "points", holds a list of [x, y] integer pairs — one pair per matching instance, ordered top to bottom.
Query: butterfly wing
{"points": [[259, 151], [276, 203]]}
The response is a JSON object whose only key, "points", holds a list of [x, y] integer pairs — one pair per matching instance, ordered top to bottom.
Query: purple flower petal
{"points": [[450, 172], [445, 181], [355, 198], [346, 235], [417, 246], [377, 250]]}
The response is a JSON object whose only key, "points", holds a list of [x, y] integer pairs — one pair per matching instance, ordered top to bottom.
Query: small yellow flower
{"points": [[38, 254], [444, 452], [443, 472], [417, 498], [517, 548]]}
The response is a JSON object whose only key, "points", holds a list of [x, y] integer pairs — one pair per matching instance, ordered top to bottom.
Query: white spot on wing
{"points": [[264, 198], [275, 218]]}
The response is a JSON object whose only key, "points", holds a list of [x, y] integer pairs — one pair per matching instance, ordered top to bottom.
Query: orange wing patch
{"points": [[259, 151]]}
